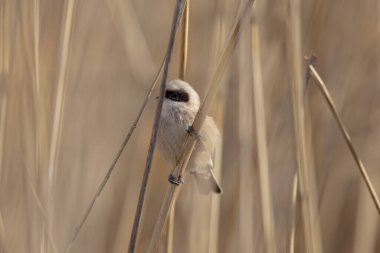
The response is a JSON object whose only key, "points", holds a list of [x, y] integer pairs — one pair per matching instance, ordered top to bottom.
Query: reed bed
{"points": [[74, 75]]}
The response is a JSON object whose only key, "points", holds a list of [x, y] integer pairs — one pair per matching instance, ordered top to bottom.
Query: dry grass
{"points": [[74, 74]]}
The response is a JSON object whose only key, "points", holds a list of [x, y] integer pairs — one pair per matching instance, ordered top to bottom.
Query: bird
{"points": [[180, 106]]}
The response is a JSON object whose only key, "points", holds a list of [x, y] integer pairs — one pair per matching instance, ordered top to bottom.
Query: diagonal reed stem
{"points": [[176, 19], [322, 86], [190, 141], [114, 161]]}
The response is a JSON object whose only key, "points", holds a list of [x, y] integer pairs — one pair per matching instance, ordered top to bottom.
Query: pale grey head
{"points": [[180, 94]]}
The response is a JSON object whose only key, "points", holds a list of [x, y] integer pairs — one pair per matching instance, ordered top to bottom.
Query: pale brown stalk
{"points": [[125, 19], [176, 19], [185, 42], [4, 68], [182, 76], [36, 84], [59, 106], [3, 111], [37, 111], [197, 124], [347, 138], [262, 146], [114, 161], [307, 187], [246, 188], [40, 208], [215, 208], [292, 214], [366, 230], [3, 247]]}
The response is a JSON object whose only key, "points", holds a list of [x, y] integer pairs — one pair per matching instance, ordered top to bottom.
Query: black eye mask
{"points": [[177, 95]]}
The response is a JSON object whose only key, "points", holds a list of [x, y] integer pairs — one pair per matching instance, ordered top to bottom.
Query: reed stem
{"points": [[176, 19], [322, 87], [197, 125], [307, 187]]}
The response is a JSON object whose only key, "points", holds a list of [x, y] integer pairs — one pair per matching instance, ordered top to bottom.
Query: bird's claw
{"points": [[191, 131], [175, 180]]}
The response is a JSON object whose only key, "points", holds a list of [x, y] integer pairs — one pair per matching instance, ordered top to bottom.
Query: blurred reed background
{"points": [[75, 73]]}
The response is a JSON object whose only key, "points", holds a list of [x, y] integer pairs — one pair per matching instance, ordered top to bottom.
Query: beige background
{"points": [[115, 48]]}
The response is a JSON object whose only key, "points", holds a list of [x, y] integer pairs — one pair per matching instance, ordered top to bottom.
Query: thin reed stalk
{"points": [[125, 20], [176, 20], [185, 42], [4, 68], [182, 76], [36, 80], [322, 87], [61, 90], [59, 106], [37, 111], [3, 113], [3, 116], [190, 141], [262, 146], [114, 161], [307, 187], [246, 189], [215, 205], [215, 209], [41, 211], [292, 214], [214, 225], [366, 230], [170, 232], [3, 241], [3, 247]]}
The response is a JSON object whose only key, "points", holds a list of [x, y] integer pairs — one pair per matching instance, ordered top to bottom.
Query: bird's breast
{"points": [[173, 126]]}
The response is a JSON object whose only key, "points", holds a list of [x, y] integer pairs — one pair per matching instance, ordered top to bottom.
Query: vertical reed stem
{"points": [[176, 19], [185, 42], [4, 62], [182, 76], [59, 105], [197, 125], [262, 146], [307, 186], [292, 214]]}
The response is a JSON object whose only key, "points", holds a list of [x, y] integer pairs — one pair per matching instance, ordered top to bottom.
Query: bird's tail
{"points": [[209, 184], [214, 184]]}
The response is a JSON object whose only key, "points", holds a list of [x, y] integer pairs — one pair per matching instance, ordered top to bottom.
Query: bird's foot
{"points": [[191, 131], [175, 180]]}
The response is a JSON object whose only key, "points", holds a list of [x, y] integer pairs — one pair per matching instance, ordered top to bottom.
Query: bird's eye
{"points": [[177, 95]]}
